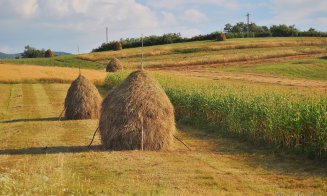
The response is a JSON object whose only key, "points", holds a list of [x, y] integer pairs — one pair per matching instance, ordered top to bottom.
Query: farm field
{"points": [[10, 73], [253, 112], [41, 155]]}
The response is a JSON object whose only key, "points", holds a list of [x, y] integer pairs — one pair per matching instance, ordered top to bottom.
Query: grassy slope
{"points": [[211, 52], [192, 53], [60, 61], [309, 68], [66, 166]]}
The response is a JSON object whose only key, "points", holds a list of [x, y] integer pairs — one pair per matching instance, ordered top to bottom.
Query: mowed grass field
{"points": [[11, 73], [253, 112], [41, 155]]}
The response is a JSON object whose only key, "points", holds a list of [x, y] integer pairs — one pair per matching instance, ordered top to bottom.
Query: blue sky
{"points": [[62, 25]]}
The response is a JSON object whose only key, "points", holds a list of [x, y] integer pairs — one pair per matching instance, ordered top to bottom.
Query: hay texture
{"points": [[221, 37], [118, 46], [49, 53], [114, 65], [83, 100], [138, 101]]}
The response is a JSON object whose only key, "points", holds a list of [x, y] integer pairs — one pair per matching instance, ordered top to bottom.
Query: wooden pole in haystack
{"points": [[142, 53]]}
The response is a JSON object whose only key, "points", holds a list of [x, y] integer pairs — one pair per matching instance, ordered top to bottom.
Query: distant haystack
{"points": [[221, 37], [118, 46], [49, 54], [114, 65], [83, 100], [139, 103]]}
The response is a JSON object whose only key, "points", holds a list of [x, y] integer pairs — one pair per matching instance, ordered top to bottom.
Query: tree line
{"points": [[238, 30], [31, 52]]}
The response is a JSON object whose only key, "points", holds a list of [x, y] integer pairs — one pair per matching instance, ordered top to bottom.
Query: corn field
{"points": [[282, 117]]}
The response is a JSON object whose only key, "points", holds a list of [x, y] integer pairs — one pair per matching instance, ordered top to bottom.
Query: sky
{"points": [[65, 25]]}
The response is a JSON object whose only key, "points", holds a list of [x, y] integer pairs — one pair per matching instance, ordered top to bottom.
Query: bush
{"points": [[31, 52]]}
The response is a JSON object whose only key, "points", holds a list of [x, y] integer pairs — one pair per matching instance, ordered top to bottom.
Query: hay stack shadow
{"points": [[83, 100], [139, 105]]}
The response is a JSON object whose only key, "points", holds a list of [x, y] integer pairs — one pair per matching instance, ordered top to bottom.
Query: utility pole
{"points": [[248, 23], [106, 34], [142, 53], [79, 64]]}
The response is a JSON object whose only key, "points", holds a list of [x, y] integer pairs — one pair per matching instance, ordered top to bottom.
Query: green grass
{"points": [[211, 52], [62, 61], [308, 68], [283, 117], [40, 155]]}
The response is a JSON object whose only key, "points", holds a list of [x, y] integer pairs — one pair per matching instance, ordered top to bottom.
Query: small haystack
{"points": [[221, 37], [118, 46], [49, 54], [114, 65], [83, 100], [138, 102]]}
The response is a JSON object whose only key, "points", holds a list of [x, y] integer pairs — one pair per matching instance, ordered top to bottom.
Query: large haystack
{"points": [[49, 54], [114, 65], [83, 100], [138, 101]]}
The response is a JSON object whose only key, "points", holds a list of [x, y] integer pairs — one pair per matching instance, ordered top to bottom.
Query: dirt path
{"points": [[40, 155]]}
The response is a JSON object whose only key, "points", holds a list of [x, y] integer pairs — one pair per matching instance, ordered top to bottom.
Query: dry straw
{"points": [[221, 37], [118, 46], [49, 53], [114, 65], [83, 100], [139, 106]]}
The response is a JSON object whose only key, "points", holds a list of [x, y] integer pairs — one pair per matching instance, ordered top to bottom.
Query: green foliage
{"points": [[284, 31], [147, 41], [31, 52], [59, 61], [309, 68], [281, 119]]}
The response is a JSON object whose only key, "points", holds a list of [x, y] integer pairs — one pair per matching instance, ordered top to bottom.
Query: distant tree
{"points": [[228, 28], [283, 30], [31, 52]]}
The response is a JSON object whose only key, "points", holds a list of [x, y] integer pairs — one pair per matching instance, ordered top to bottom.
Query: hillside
{"points": [[9, 56], [12, 56], [299, 57], [252, 112]]}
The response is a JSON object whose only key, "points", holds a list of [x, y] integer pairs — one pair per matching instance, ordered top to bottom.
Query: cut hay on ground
{"points": [[114, 65], [83, 100], [138, 101]]}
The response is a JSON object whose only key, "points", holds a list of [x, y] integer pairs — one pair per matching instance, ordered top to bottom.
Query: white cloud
{"points": [[171, 4], [25, 8], [298, 11], [194, 16], [169, 19], [190, 32]]}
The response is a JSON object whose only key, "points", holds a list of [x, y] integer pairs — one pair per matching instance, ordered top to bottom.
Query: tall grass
{"points": [[277, 116]]}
